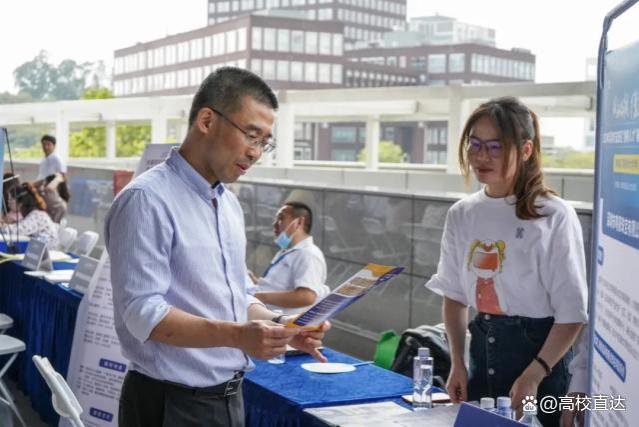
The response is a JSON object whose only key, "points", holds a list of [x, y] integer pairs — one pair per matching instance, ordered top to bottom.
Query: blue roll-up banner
{"points": [[3, 141], [614, 306]]}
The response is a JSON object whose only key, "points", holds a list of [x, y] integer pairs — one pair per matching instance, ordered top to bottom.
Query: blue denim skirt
{"points": [[501, 348]]}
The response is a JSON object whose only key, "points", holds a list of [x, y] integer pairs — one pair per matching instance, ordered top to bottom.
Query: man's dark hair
{"points": [[225, 88], [49, 138], [299, 209]]}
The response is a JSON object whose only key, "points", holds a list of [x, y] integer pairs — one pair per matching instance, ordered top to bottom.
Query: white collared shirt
{"points": [[302, 266]]}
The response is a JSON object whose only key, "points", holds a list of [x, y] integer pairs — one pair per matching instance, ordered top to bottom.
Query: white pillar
{"points": [[458, 113], [158, 129], [181, 129], [285, 135], [62, 136], [110, 140], [372, 143]]}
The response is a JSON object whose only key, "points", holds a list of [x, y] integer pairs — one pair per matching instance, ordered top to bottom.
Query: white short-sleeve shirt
{"points": [[50, 165], [302, 266]]}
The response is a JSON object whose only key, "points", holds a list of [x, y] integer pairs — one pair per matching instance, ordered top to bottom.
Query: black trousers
{"points": [[147, 402]]}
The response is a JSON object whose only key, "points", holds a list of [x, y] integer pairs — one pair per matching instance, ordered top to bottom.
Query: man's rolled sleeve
{"points": [[138, 239]]}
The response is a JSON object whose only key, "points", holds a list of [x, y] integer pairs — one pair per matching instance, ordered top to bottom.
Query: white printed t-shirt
{"points": [[497, 263], [302, 266]]}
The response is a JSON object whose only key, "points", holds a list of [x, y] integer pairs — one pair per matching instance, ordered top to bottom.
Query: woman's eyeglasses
{"points": [[494, 147]]}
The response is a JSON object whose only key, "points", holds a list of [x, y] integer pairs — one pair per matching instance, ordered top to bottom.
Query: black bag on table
{"points": [[433, 337]]}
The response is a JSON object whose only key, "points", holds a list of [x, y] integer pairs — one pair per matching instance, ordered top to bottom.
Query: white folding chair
{"points": [[66, 237], [85, 243], [6, 322], [10, 346], [64, 401]]}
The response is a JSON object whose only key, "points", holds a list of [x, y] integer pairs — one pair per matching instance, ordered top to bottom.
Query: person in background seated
{"points": [[11, 185], [56, 195], [35, 220], [513, 251], [296, 277]]}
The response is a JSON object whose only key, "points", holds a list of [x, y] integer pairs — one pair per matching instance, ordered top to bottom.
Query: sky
{"points": [[561, 33]]}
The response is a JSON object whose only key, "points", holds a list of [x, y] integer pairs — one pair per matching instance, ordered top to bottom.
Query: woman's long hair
{"points": [[516, 125], [62, 188], [29, 199]]}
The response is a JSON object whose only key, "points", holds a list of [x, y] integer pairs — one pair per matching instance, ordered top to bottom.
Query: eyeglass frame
{"points": [[265, 144], [483, 144]]}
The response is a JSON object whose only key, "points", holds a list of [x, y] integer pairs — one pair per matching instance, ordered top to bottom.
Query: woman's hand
{"points": [[457, 384]]}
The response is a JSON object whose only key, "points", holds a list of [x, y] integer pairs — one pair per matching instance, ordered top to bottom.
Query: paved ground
{"points": [[30, 417]]}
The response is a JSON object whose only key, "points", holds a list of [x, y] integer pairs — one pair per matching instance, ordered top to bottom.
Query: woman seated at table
{"points": [[10, 213], [35, 220]]}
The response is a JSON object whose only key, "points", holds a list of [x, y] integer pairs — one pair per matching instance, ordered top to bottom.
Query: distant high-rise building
{"points": [[362, 19]]}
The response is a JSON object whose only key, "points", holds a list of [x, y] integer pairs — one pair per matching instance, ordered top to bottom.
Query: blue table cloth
{"points": [[44, 318], [276, 395]]}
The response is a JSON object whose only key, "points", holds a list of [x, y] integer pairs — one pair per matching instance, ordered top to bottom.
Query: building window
{"points": [[325, 14], [256, 38], [269, 38], [241, 39], [283, 40], [231, 41], [297, 41], [311, 43], [324, 43], [219, 44], [338, 44], [196, 49], [183, 52], [437, 63], [456, 63], [256, 66], [268, 69], [282, 70], [297, 71], [310, 72], [336, 74], [324, 75], [343, 135]]}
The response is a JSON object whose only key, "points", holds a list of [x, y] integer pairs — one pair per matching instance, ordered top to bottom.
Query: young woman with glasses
{"points": [[514, 252]]}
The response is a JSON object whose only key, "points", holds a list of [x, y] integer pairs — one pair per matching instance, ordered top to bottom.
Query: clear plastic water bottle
{"points": [[278, 360], [422, 380], [487, 403], [504, 407], [530, 418]]}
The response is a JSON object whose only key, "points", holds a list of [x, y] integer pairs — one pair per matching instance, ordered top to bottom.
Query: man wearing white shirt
{"points": [[52, 163], [296, 277]]}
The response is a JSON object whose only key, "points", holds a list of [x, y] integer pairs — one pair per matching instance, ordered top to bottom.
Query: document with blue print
{"points": [[358, 285]]}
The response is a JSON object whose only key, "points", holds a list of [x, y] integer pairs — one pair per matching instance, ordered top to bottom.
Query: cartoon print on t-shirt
{"points": [[486, 259]]}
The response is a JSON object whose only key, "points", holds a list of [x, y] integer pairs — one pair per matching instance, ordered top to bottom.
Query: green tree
{"points": [[41, 80], [8, 98], [91, 142], [389, 152], [569, 159]]}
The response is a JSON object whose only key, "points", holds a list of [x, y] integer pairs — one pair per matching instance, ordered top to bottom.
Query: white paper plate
{"points": [[328, 368]]}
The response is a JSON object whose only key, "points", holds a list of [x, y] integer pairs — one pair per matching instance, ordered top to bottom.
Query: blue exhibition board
{"points": [[3, 142], [614, 299]]}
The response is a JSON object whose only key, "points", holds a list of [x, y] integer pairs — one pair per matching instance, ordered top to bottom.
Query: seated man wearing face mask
{"points": [[296, 277]]}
